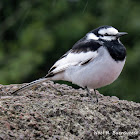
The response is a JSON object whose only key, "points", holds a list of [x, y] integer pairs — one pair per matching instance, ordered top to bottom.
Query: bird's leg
{"points": [[89, 94], [96, 96]]}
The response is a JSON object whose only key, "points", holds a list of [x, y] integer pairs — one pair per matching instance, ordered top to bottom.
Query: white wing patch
{"points": [[73, 59]]}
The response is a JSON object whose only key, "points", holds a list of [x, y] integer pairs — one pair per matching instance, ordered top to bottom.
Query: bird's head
{"points": [[105, 33]]}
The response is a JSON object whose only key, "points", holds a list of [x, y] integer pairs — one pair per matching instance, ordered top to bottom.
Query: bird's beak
{"points": [[121, 34]]}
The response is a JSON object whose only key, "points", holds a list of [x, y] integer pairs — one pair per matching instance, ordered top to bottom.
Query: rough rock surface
{"points": [[59, 112]]}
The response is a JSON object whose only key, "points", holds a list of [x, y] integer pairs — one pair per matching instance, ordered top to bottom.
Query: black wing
{"points": [[84, 45], [72, 56]]}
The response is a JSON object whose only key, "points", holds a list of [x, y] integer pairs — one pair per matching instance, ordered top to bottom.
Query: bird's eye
{"points": [[106, 34]]}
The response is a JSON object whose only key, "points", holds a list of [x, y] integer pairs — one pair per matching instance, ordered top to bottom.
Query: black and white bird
{"points": [[94, 61]]}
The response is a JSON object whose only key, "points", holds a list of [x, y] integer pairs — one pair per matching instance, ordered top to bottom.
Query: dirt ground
{"points": [[59, 112]]}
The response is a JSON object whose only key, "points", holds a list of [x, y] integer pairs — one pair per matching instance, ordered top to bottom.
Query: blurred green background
{"points": [[35, 33]]}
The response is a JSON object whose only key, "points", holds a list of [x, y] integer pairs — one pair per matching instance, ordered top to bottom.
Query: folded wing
{"points": [[82, 53]]}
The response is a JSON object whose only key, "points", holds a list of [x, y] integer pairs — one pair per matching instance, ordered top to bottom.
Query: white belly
{"points": [[102, 71]]}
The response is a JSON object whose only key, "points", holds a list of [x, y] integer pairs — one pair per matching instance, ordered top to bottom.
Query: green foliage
{"points": [[34, 34]]}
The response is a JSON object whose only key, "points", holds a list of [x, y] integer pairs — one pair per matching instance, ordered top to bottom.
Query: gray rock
{"points": [[59, 112]]}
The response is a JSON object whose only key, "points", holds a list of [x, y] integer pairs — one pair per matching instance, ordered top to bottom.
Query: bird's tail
{"points": [[30, 85]]}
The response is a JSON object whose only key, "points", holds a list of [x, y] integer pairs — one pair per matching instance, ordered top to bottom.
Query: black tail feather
{"points": [[29, 85]]}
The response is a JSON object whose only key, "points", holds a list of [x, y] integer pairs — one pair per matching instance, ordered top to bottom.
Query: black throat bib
{"points": [[116, 49]]}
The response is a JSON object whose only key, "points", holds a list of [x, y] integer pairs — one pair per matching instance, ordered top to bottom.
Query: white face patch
{"points": [[109, 31], [92, 36], [108, 38]]}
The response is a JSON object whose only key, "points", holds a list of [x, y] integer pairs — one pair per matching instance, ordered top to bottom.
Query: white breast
{"points": [[102, 71]]}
